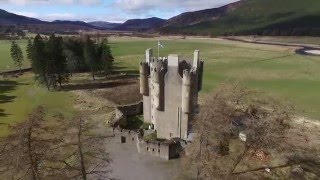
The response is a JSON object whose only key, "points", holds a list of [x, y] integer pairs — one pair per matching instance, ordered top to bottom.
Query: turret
{"points": [[149, 54], [196, 59], [158, 68], [200, 74], [144, 82], [186, 91]]}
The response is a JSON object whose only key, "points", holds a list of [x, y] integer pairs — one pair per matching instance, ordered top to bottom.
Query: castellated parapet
{"points": [[170, 87]]}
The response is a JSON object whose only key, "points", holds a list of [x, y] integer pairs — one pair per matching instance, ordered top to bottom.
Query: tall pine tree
{"points": [[29, 50], [16, 54], [90, 56], [106, 57], [38, 60], [56, 61]]}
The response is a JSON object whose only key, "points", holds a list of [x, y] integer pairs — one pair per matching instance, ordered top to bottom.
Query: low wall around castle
{"points": [[132, 109], [122, 112], [125, 136], [162, 149], [166, 150]]}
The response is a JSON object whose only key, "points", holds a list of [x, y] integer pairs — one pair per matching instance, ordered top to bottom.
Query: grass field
{"points": [[314, 41], [6, 62], [272, 69], [276, 70], [19, 96]]}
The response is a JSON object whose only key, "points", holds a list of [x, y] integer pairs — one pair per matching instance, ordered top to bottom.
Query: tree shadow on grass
{"points": [[118, 69], [99, 85], [6, 86], [3, 114]]}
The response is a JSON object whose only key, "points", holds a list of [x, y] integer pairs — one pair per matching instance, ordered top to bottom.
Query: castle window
{"points": [[170, 134], [132, 139], [147, 148], [152, 150], [158, 150]]}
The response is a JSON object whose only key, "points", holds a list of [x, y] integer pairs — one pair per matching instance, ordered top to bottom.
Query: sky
{"points": [[105, 10]]}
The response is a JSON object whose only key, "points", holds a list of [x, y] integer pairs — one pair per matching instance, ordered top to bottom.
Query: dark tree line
{"points": [[98, 57], [56, 59]]}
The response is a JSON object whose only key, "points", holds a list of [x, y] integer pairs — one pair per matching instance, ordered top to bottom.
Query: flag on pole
{"points": [[160, 44]]}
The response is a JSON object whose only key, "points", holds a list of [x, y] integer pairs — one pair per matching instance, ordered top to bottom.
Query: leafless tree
{"points": [[228, 111], [55, 149], [24, 152], [85, 155]]}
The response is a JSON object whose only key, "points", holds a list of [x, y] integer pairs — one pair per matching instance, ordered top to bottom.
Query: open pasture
{"points": [[6, 63], [275, 70], [19, 96]]}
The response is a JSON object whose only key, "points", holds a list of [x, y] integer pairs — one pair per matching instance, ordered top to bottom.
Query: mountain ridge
{"points": [[243, 17], [251, 17], [104, 24], [141, 24]]}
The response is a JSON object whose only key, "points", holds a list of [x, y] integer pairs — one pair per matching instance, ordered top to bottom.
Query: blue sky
{"points": [[105, 10]]}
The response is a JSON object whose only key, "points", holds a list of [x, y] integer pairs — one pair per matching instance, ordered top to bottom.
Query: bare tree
{"points": [[227, 112], [59, 148], [24, 152], [85, 155]]}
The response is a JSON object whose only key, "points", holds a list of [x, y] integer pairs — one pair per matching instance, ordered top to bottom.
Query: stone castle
{"points": [[170, 87]]}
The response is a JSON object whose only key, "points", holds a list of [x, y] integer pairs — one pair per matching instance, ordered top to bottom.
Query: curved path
{"points": [[303, 49], [308, 51]]}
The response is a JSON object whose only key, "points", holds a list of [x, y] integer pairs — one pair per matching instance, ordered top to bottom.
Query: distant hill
{"points": [[244, 17], [262, 17], [192, 18], [8, 19], [78, 23], [141, 24], [105, 25]]}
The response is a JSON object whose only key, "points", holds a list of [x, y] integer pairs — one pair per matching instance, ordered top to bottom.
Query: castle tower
{"points": [[170, 89]]}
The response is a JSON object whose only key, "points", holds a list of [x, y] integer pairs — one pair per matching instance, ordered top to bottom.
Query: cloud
{"points": [[46, 2], [145, 6], [25, 13], [60, 16], [48, 17], [72, 17]]}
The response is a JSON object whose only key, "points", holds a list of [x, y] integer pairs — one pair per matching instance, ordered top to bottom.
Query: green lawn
{"points": [[284, 39], [6, 62], [275, 70], [278, 71], [19, 96]]}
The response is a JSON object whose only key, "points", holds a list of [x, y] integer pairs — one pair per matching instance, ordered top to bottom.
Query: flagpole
{"points": [[158, 49]]}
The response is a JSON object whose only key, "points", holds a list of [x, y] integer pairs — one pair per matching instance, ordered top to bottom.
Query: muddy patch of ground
{"points": [[117, 90], [128, 93], [304, 134]]}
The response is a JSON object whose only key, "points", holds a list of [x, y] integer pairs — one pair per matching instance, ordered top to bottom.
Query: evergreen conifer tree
{"points": [[16, 54]]}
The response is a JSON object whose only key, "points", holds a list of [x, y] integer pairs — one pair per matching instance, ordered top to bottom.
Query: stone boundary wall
{"points": [[131, 110], [122, 112], [125, 136], [163, 149]]}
